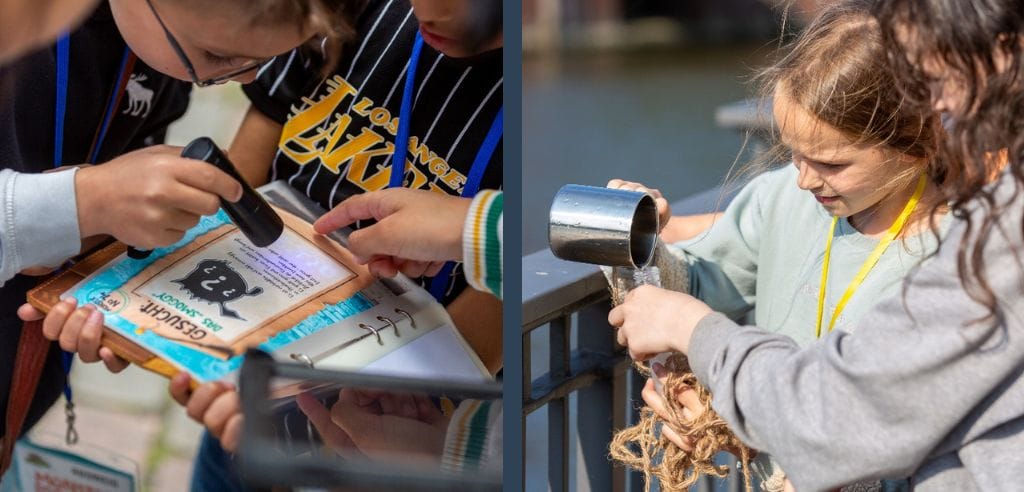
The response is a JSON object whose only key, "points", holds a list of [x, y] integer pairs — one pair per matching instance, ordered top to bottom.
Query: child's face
{"points": [[446, 26], [213, 38], [946, 86], [846, 178]]}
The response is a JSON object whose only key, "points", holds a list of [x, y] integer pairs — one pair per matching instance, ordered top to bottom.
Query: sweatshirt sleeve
{"points": [[40, 220], [482, 242], [721, 263], [878, 401], [473, 441]]}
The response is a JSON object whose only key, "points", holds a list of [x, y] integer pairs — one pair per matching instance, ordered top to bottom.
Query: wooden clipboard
{"points": [[48, 294], [45, 296]]}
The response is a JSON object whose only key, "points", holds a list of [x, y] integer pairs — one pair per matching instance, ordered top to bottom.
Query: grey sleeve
{"points": [[40, 220], [879, 401]]}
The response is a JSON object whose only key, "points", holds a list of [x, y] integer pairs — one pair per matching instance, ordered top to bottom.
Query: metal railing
{"points": [[570, 301]]}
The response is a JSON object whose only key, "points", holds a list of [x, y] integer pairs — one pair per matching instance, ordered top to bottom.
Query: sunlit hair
{"points": [[971, 38], [836, 70]]}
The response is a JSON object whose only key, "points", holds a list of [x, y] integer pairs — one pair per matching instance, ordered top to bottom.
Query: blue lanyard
{"points": [[63, 55], [63, 62], [404, 123], [476, 173]]}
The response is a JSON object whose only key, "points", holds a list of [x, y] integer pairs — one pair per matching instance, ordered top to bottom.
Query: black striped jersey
{"points": [[339, 132]]}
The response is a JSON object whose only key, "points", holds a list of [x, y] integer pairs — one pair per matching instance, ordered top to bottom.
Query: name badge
{"points": [[45, 464]]}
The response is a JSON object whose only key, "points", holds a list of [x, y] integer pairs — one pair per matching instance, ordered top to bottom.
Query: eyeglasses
{"points": [[191, 68]]}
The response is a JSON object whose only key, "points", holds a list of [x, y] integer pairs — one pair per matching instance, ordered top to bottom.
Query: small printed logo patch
{"points": [[140, 99]]}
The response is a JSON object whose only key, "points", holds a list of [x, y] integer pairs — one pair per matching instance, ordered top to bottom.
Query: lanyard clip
{"points": [[71, 436]]}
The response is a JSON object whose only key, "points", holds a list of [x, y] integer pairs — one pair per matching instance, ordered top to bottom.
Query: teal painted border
{"points": [[203, 367]]}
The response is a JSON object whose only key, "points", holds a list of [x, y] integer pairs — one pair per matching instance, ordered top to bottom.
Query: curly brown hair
{"points": [[979, 43]]}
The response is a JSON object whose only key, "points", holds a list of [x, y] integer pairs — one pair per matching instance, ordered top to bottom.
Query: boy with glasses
{"points": [[105, 93]]}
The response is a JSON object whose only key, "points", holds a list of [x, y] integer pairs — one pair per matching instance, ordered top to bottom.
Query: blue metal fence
{"points": [[581, 365]]}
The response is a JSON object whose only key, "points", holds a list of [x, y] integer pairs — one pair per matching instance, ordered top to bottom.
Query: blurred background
{"points": [[629, 89]]}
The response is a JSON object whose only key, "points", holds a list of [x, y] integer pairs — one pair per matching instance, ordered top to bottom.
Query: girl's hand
{"points": [[664, 210], [652, 320], [77, 330], [685, 395], [215, 405], [692, 409]]}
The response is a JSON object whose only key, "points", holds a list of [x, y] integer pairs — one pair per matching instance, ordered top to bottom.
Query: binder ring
{"points": [[407, 315], [391, 323], [375, 331], [303, 358]]}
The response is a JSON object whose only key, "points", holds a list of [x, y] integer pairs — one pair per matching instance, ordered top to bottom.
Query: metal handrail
{"points": [[555, 293]]}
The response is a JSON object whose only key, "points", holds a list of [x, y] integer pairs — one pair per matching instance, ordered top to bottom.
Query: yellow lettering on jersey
{"points": [[362, 107], [318, 111], [379, 116], [305, 139], [420, 151], [336, 156], [437, 165], [359, 169], [418, 178], [453, 179], [437, 189]]}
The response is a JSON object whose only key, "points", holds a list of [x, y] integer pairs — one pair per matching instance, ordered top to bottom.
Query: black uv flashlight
{"points": [[252, 214]]}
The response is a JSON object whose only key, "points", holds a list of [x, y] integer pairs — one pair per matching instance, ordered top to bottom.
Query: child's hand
{"points": [[149, 198], [664, 210], [416, 230], [652, 320], [77, 330], [215, 405], [691, 410], [379, 424], [333, 435]]}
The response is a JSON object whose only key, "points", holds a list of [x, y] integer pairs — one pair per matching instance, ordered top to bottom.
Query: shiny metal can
{"points": [[603, 226]]}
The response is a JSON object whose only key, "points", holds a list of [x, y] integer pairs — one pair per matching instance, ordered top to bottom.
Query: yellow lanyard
{"points": [[868, 264]]}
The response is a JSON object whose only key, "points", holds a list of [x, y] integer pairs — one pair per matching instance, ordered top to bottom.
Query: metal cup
{"points": [[603, 226]]}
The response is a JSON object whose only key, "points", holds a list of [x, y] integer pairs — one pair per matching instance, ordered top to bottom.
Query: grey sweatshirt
{"points": [[39, 226], [916, 391]]}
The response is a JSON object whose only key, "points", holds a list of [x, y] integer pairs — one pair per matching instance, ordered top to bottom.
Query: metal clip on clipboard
{"points": [[311, 361]]}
